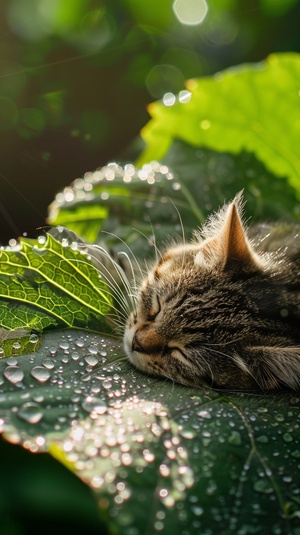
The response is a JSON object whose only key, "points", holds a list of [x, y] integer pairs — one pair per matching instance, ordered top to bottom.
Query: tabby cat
{"points": [[220, 312]]}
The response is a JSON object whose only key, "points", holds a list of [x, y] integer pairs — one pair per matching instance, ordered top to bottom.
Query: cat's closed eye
{"points": [[155, 307], [210, 313]]}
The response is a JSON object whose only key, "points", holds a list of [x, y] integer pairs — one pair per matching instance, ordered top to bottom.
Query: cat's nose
{"points": [[136, 344]]}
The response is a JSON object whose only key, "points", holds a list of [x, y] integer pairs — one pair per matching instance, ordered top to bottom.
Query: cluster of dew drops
{"points": [[82, 189], [107, 415]]}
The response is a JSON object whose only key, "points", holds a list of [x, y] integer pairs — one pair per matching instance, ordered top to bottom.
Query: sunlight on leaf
{"points": [[250, 107], [45, 283]]}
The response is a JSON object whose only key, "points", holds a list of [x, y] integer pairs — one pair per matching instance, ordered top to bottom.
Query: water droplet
{"points": [[34, 338], [79, 342], [64, 345], [93, 349], [91, 360], [12, 361], [48, 363], [40, 373], [13, 374], [94, 404], [31, 413], [204, 414], [187, 433], [287, 437], [235, 438], [263, 439], [148, 456], [164, 470], [263, 486], [197, 510]]}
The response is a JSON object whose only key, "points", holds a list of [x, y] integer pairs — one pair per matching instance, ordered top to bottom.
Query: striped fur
{"points": [[220, 312]]}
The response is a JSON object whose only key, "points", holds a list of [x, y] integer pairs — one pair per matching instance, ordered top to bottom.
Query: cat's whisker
{"points": [[180, 221], [152, 243], [128, 248], [115, 265], [115, 288]]}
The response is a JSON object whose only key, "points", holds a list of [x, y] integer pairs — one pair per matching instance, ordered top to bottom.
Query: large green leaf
{"points": [[250, 107], [158, 456]]}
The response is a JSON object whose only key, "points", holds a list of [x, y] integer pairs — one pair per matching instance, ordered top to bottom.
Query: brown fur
{"points": [[220, 312]]}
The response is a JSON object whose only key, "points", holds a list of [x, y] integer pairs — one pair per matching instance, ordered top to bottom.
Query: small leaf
{"points": [[250, 107], [48, 284]]}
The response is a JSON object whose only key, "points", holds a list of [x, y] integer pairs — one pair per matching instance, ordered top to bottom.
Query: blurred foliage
{"points": [[76, 76]]}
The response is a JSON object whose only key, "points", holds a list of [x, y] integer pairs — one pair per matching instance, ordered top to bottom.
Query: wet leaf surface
{"points": [[159, 456]]}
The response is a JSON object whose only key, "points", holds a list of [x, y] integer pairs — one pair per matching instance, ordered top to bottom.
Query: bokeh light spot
{"points": [[190, 12], [169, 99]]}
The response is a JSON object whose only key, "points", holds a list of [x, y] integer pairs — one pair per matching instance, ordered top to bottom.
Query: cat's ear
{"points": [[233, 239], [225, 240], [274, 367]]}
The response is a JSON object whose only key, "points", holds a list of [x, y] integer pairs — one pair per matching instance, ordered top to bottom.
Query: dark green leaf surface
{"points": [[160, 457]]}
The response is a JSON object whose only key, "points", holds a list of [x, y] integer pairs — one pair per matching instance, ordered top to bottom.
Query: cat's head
{"points": [[205, 313]]}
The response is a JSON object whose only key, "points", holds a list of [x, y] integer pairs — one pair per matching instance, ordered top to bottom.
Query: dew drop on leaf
{"points": [[34, 338], [79, 342], [64, 345], [93, 349], [91, 360], [12, 361], [48, 363], [40, 373], [13, 374], [94, 404], [30, 412], [204, 414], [287, 437], [235, 438], [263, 439], [263, 486]]}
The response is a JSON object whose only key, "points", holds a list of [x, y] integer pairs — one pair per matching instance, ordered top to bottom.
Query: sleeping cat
{"points": [[220, 312]]}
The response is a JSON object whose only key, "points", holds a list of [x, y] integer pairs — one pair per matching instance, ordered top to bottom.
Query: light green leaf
{"points": [[250, 107], [46, 283], [158, 456]]}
